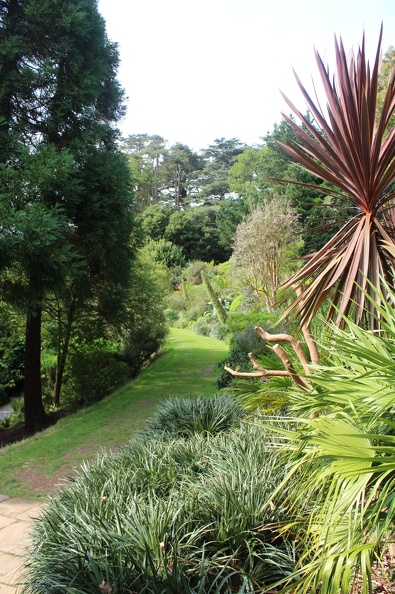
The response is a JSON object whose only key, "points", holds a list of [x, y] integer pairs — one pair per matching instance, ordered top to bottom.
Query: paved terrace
{"points": [[15, 519]]}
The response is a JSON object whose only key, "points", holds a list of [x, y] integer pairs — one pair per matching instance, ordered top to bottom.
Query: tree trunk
{"points": [[156, 178], [177, 196], [63, 349], [60, 367], [34, 409]]}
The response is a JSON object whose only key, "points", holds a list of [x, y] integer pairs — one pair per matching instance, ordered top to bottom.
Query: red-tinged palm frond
{"points": [[348, 147]]}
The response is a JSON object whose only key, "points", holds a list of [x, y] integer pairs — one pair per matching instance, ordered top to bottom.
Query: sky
{"points": [[197, 71]]}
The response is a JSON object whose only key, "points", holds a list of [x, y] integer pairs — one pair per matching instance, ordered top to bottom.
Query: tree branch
{"points": [[308, 335], [295, 344], [263, 373], [298, 381]]}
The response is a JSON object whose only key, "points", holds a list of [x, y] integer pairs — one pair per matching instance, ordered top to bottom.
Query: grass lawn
{"points": [[186, 366]]}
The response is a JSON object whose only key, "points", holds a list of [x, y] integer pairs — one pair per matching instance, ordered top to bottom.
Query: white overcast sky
{"points": [[196, 71]]}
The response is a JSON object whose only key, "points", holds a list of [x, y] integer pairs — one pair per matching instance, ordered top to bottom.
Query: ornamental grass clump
{"points": [[182, 417], [192, 515]]}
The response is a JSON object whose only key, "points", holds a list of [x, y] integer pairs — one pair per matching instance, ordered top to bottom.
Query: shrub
{"points": [[166, 252], [193, 273], [216, 302], [236, 304], [192, 313], [171, 316], [238, 322], [144, 326], [203, 326], [210, 326], [242, 343], [140, 344], [12, 359], [94, 370], [48, 374], [17, 415], [182, 417], [166, 515]]}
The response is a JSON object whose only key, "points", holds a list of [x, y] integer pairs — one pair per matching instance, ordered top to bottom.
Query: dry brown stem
{"points": [[308, 335], [295, 344], [286, 361], [289, 367], [263, 373], [298, 381]]}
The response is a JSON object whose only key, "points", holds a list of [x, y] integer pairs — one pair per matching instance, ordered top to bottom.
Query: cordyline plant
{"points": [[348, 146]]}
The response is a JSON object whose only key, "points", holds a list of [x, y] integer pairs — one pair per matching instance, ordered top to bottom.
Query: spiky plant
{"points": [[348, 147], [343, 446], [167, 515]]}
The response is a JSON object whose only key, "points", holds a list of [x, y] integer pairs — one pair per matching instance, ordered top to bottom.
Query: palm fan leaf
{"points": [[347, 147]]}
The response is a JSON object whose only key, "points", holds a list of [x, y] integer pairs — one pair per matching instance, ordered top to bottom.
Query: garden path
{"points": [[5, 411], [16, 515]]}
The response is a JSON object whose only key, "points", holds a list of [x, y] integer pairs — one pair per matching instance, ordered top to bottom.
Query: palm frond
{"points": [[341, 446]]}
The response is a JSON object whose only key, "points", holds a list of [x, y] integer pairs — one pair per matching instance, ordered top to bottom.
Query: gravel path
{"points": [[5, 411]]}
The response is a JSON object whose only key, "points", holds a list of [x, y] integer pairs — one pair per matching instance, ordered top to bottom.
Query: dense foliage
{"points": [[65, 199], [263, 247], [184, 417], [342, 461], [207, 499], [169, 513]]}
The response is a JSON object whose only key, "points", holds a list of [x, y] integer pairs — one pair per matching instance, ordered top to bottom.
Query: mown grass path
{"points": [[185, 366]]}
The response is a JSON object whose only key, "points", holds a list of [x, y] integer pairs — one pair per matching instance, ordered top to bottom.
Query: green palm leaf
{"points": [[341, 455]]}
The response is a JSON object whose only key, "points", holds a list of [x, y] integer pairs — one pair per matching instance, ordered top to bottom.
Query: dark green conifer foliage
{"points": [[64, 184]]}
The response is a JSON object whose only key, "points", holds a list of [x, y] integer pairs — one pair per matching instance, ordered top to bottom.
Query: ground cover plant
{"points": [[66, 203], [185, 366], [181, 418], [238, 511], [168, 514]]}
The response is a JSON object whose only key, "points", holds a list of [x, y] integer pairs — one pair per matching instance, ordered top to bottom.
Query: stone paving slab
{"points": [[17, 506], [29, 514], [4, 521], [15, 523], [14, 538], [9, 564], [4, 589]]}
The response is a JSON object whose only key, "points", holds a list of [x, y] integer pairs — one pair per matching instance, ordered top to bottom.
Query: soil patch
{"points": [[19, 433], [41, 484], [44, 484]]}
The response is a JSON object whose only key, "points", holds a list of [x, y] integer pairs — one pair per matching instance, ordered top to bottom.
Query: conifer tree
{"points": [[64, 184]]}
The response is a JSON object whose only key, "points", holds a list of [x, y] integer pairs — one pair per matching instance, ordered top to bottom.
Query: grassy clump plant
{"points": [[182, 417], [171, 514]]}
